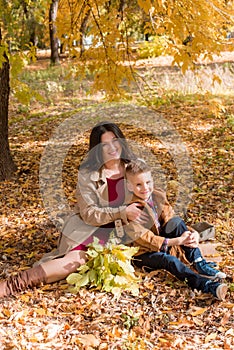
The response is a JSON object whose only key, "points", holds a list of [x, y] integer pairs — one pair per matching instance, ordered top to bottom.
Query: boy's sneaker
{"points": [[211, 263], [203, 268], [217, 289]]}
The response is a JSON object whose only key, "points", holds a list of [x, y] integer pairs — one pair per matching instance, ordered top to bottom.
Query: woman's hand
{"points": [[135, 213]]}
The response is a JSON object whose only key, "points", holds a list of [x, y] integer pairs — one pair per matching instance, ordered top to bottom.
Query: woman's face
{"points": [[111, 147]]}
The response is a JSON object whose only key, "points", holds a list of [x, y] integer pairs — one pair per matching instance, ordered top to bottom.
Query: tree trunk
{"points": [[82, 30], [54, 43], [7, 165]]}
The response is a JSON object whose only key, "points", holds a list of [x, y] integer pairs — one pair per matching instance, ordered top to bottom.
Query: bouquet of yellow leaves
{"points": [[108, 268]]}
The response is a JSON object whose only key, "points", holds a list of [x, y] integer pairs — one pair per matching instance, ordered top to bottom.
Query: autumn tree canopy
{"points": [[189, 29], [100, 36]]}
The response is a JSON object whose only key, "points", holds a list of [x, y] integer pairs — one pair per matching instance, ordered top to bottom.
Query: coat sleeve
{"points": [[90, 209], [164, 209], [143, 237]]}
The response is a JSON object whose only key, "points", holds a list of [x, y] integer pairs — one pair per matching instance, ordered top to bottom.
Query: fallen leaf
{"points": [[198, 311], [225, 318], [230, 332], [211, 336], [89, 340]]}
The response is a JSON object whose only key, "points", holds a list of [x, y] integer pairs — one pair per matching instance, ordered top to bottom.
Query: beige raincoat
{"points": [[92, 211]]}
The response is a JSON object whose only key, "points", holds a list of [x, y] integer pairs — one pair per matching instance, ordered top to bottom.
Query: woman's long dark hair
{"points": [[94, 159]]}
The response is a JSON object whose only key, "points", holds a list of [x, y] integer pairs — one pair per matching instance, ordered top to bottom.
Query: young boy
{"points": [[165, 238]]}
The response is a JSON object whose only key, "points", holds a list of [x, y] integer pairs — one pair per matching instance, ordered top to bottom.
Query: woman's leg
{"points": [[158, 260], [58, 269], [50, 271]]}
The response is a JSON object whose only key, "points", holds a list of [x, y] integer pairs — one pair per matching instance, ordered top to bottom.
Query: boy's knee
{"points": [[174, 224], [168, 260]]}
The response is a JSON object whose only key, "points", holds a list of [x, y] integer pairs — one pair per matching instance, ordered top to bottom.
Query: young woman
{"points": [[100, 197]]}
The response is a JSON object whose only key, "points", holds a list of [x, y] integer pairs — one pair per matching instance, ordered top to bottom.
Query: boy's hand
{"points": [[135, 213], [194, 235], [190, 239]]}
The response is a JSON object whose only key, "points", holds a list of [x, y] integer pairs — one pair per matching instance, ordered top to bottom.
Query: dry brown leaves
{"points": [[166, 314]]}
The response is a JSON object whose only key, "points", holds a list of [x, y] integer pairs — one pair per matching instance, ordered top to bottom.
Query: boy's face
{"points": [[141, 184]]}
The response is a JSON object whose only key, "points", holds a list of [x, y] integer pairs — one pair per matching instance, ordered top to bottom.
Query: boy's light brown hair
{"points": [[137, 166]]}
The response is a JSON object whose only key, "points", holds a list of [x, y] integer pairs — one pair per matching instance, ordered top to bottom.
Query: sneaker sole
{"points": [[220, 275], [221, 291]]}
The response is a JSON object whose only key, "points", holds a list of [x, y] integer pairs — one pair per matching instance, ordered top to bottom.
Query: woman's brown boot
{"points": [[22, 281]]}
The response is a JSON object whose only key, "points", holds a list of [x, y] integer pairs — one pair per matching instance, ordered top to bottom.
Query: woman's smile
{"points": [[111, 147]]}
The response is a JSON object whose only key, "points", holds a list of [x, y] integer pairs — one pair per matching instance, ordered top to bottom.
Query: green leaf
{"points": [[92, 253], [83, 268], [93, 276], [72, 278], [84, 280]]}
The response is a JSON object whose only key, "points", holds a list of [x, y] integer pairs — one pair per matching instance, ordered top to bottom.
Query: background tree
{"points": [[16, 33], [54, 41], [7, 166]]}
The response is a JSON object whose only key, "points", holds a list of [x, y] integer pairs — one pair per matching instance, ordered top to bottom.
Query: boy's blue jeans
{"points": [[158, 260]]}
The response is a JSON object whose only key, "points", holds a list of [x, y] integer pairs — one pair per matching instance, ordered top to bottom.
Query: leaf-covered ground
{"points": [[166, 314]]}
